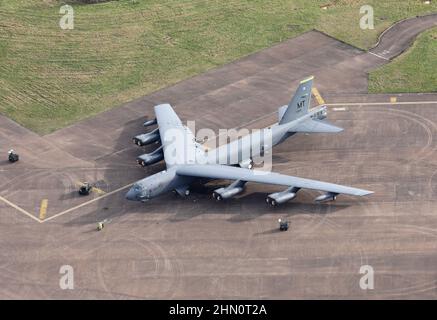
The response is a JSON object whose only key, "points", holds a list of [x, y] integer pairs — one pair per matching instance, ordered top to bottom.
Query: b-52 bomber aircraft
{"points": [[188, 161]]}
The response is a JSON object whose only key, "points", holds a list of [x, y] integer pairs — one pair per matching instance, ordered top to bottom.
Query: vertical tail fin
{"points": [[300, 102]]}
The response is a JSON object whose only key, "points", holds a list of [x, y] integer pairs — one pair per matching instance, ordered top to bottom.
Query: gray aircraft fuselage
{"points": [[249, 145], [168, 180]]}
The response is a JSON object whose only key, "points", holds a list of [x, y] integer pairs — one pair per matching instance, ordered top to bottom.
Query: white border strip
{"points": [[380, 103], [20, 209]]}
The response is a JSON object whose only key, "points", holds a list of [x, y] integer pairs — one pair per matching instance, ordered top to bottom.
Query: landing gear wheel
{"points": [[271, 202]]}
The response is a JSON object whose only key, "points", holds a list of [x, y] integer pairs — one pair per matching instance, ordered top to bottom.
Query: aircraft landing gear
{"points": [[183, 191]]}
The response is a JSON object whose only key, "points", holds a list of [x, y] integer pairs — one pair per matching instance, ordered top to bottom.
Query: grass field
{"points": [[121, 50], [415, 70]]}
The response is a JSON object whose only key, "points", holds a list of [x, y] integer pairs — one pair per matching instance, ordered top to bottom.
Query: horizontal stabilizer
{"points": [[319, 126]]}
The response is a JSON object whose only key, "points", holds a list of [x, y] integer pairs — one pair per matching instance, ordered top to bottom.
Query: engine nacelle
{"points": [[321, 114], [150, 122], [146, 138], [151, 158], [248, 164], [230, 191], [328, 196], [277, 198]]}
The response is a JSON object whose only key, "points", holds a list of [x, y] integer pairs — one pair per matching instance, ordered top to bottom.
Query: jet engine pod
{"points": [[322, 113], [150, 123], [146, 138], [151, 158], [230, 191], [226, 193], [328, 196], [277, 198]]}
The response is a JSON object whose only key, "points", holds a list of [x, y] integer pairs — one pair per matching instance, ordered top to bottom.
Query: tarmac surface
{"points": [[395, 40], [172, 247]]}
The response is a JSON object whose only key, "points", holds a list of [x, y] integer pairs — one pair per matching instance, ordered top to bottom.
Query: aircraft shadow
{"points": [[69, 195]]}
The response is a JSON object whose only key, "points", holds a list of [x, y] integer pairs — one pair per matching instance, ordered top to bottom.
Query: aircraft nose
{"points": [[132, 195]]}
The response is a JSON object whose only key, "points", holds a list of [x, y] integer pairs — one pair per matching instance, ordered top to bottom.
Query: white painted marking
{"points": [[377, 55], [380, 103], [333, 104], [339, 109], [88, 202], [20, 209]]}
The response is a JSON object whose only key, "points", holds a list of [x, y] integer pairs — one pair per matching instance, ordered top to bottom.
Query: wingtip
{"points": [[366, 193]]}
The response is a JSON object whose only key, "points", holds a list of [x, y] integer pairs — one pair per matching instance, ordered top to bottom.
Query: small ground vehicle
{"points": [[12, 156], [85, 189], [101, 224], [283, 225]]}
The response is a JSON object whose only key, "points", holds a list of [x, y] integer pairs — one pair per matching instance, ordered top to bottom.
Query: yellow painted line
{"points": [[307, 79], [316, 94], [393, 99], [93, 189], [97, 190], [89, 202], [19, 209], [43, 209], [66, 211]]}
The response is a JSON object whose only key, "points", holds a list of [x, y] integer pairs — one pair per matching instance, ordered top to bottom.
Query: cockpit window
{"points": [[137, 187]]}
